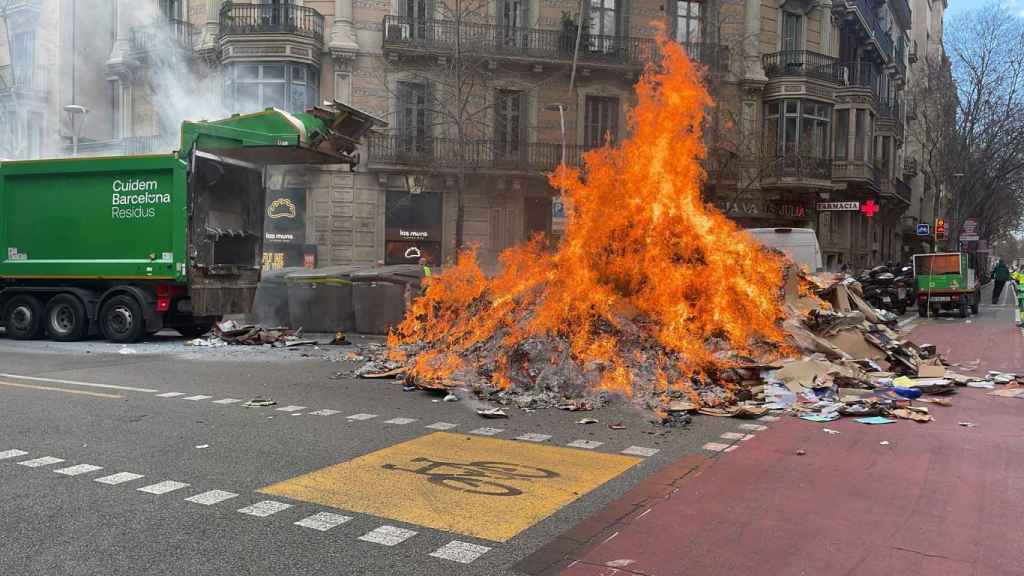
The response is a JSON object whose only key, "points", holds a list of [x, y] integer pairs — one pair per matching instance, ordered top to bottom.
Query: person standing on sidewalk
{"points": [[999, 277]]}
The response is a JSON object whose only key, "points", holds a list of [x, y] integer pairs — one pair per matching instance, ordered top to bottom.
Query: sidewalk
{"points": [[940, 499]]}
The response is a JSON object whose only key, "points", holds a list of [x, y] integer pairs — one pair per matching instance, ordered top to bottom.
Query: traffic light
{"points": [[940, 229]]}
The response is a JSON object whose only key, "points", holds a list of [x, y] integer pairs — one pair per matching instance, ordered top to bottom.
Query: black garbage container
{"points": [[378, 296], [320, 299], [270, 306]]}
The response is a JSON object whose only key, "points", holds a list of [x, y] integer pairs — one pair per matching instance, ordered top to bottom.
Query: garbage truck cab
{"points": [[126, 246]]}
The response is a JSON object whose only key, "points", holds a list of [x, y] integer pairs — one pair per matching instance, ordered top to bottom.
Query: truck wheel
{"points": [[975, 304], [965, 307], [922, 308], [24, 317], [65, 318], [121, 319], [194, 330]]}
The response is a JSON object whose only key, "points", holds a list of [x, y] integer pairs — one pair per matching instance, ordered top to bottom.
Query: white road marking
{"points": [[77, 383], [170, 394], [197, 397], [226, 401], [291, 408], [325, 412], [362, 416], [768, 419], [400, 421], [441, 426], [753, 427], [487, 431], [732, 435], [534, 437], [746, 437], [585, 444], [715, 446], [731, 448], [640, 451], [11, 454], [44, 461], [78, 469], [119, 478], [163, 487], [212, 497], [264, 508], [323, 521], [387, 535], [461, 552]]}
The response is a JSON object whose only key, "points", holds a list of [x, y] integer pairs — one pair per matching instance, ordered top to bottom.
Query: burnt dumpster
{"points": [[379, 296], [320, 299], [270, 307]]}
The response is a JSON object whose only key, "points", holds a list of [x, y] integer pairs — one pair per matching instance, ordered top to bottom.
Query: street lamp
{"points": [[74, 111]]}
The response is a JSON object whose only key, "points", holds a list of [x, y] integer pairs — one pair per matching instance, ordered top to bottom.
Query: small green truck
{"points": [[126, 246], [946, 281]]}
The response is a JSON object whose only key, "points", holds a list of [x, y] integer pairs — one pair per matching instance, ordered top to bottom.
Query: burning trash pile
{"points": [[655, 295]]}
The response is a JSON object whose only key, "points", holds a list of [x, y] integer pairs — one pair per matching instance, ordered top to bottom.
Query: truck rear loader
{"points": [[126, 246]]}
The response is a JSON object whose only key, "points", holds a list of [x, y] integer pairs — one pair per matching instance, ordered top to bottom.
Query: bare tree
{"points": [[985, 161]]}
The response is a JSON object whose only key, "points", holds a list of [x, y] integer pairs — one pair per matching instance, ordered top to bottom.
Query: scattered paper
{"points": [[987, 384], [1008, 393], [492, 413], [820, 417], [875, 420], [587, 421], [968, 424], [830, 431], [884, 443], [201, 446]]}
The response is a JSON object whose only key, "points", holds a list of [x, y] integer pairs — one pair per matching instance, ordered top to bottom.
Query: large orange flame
{"points": [[648, 288]]}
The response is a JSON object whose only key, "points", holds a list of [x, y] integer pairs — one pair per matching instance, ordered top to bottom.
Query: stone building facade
{"points": [[810, 114]]}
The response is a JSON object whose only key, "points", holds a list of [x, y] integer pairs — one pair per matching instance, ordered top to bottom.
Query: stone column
{"points": [[212, 27], [343, 44], [119, 54], [752, 69]]}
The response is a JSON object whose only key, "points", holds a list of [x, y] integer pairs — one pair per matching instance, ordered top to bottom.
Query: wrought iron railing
{"points": [[271, 18], [168, 34], [532, 43], [802, 63], [861, 74], [889, 109], [450, 153], [799, 166], [894, 188], [902, 190]]}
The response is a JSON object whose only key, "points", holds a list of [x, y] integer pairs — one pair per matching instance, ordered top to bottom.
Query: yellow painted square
{"points": [[471, 485]]}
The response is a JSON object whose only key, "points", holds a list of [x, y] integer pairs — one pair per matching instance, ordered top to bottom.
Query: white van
{"points": [[800, 244]]}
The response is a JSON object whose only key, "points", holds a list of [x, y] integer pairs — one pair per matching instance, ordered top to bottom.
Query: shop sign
{"points": [[837, 206], [763, 209], [285, 216]]}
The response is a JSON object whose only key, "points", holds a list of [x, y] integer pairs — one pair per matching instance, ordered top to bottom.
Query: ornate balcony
{"points": [[271, 19], [170, 34], [415, 36], [802, 63], [446, 154], [796, 170], [856, 172], [894, 189]]}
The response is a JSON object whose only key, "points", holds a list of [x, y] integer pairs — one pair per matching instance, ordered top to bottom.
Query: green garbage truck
{"points": [[126, 246]]}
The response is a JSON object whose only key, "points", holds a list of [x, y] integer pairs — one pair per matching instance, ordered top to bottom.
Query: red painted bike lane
{"points": [[938, 499]]}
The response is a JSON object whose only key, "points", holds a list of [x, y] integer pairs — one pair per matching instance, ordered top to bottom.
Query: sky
{"points": [[958, 6]]}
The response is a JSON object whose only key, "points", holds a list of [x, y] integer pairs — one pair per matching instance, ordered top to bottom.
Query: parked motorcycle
{"points": [[885, 290]]}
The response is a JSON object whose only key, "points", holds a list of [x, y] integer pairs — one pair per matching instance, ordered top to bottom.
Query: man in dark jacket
{"points": [[1000, 275]]}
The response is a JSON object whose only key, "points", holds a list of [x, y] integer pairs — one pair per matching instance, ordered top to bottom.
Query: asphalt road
{"points": [[168, 412]]}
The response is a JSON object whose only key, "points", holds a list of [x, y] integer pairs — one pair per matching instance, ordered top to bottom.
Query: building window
{"points": [[173, 9], [688, 21], [512, 22], [603, 27], [792, 36], [24, 57], [254, 87], [413, 114], [600, 120], [509, 127], [798, 127], [860, 131], [842, 134]]}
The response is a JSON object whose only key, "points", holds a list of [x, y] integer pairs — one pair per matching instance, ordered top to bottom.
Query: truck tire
{"points": [[975, 303], [965, 306], [922, 308], [23, 317], [121, 319], [66, 320], [194, 330]]}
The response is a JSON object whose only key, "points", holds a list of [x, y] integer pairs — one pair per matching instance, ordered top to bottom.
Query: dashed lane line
{"points": [[77, 383], [64, 390], [170, 394], [197, 397], [225, 401], [291, 408], [325, 412], [361, 416], [400, 421], [441, 426], [753, 427], [487, 431], [732, 435], [534, 437], [584, 444], [715, 446], [640, 451], [12, 454], [39, 462], [78, 469], [119, 478], [163, 487], [211, 497], [264, 508], [323, 521], [388, 535], [461, 552]]}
